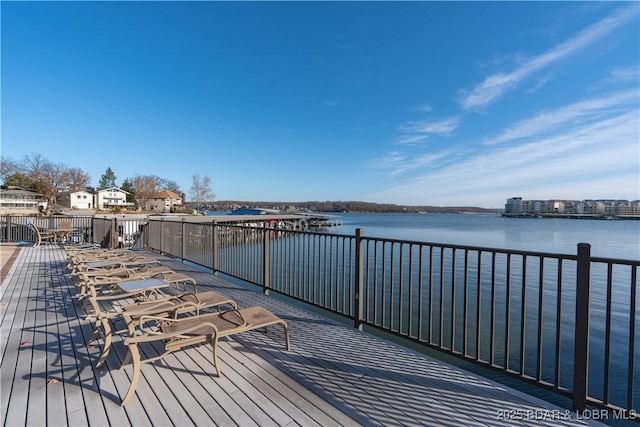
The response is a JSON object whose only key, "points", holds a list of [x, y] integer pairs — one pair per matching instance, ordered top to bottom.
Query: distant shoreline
{"points": [[337, 206]]}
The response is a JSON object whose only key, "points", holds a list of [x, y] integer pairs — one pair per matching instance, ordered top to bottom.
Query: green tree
{"points": [[19, 179], [108, 179], [127, 186]]}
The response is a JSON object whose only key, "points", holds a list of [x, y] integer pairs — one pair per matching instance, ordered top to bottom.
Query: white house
{"points": [[111, 198], [15, 200], [76, 200], [164, 201]]}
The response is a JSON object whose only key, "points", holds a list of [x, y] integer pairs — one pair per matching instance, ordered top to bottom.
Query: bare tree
{"points": [[8, 167], [13, 174], [57, 177], [51, 178], [77, 179], [167, 184], [145, 187], [201, 190]]}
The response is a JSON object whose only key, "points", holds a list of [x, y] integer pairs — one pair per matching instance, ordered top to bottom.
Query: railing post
{"points": [[92, 225], [8, 233], [145, 233], [114, 234], [161, 235], [184, 239], [214, 246], [266, 260], [359, 277], [581, 344]]}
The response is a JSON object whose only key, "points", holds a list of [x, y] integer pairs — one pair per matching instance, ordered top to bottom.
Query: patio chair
{"points": [[65, 225], [64, 231], [41, 236], [80, 247], [93, 250], [78, 256], [110, 263], [117, 274], [122, 288], [165, 307], [206, 328]]}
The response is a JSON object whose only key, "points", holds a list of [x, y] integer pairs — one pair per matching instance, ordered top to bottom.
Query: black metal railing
{"points": [[16, 228], [108, 231], [563, 322], [567, 323]]}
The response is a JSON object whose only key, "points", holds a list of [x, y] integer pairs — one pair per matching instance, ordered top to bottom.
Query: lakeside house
{"points": [[111, 198], [83, 199], [16, 200], [164, 201]]}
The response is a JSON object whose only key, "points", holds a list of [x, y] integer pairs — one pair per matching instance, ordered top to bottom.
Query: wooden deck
{"points": [[333, 375]]}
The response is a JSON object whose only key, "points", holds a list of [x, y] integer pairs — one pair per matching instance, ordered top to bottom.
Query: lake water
{"points": [[608, 238]]}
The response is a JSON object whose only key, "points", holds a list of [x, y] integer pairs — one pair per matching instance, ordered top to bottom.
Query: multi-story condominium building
{"points": [[516, 206]]}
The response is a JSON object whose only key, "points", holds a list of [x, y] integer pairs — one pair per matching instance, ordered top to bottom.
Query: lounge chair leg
{"points": [[286, 335], [107, 342], [213, 342], [135, 355]]}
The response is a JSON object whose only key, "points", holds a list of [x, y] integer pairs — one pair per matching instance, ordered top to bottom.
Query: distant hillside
{"points": [[340, 206]]}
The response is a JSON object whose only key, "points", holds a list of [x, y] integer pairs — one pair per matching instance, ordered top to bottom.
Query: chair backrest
{"points": [[65, 224]]}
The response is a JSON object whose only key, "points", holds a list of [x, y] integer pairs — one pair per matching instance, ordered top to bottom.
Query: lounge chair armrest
{"points": [[113, 278], [112, 296], [195, 297], [184, 305], [158, 307], [244, 321], [150, 337]]}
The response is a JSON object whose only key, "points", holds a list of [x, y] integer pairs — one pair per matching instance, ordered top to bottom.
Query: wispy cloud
{"points": [[625, 74], [541, 82], [494, 86], [425, 108], [576, 114], [432, 127], [419, 130], [412, 139], [587, 148], [598, 158], [391, 161], [398, 163]]}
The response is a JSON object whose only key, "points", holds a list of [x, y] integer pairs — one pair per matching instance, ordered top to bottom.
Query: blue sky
{"points": [[418, 103]]}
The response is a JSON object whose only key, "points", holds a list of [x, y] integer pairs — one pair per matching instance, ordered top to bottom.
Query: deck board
{"points": [[333, 375]]}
